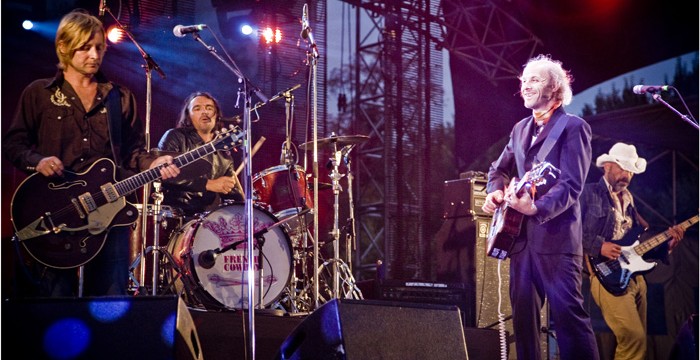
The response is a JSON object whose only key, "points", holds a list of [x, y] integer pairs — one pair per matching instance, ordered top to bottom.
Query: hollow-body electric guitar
{"points": [[63, 221], [506, 221], [615, 274]]}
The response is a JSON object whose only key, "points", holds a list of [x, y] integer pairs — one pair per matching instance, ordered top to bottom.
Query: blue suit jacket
{"points": [[556, 228]]}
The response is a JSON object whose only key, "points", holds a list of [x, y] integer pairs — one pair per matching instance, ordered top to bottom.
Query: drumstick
{"points": [[256, 147]]}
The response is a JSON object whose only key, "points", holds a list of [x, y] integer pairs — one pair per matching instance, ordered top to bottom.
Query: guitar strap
{"points": [[114, 111], [551, 139]]}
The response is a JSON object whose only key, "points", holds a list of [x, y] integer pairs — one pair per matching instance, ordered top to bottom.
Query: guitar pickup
{"points": [[110, 192], [87, 201], [604, 269]]}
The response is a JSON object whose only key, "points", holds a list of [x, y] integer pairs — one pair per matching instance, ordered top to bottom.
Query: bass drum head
{"points": [[226, 282]]}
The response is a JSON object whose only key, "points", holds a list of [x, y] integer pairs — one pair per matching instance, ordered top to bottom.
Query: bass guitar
{"points": [[63, 221], [506, 221], [615, 274]]}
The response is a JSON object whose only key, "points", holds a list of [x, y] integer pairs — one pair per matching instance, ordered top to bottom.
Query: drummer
{"points": [[207, 183]]}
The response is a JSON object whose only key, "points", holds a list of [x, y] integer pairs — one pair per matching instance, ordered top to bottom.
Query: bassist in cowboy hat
{"points": [[609, 214]]}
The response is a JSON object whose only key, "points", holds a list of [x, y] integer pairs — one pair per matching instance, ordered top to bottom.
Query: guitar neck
{"points": [[135, 182], [659, 239]]}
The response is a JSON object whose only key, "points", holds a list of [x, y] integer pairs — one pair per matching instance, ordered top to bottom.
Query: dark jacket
{"points": [[51, 121], [187, 192], [599, 221], [556, 228]]}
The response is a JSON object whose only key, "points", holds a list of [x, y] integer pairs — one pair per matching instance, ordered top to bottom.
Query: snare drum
{"points": [[223, 283]]}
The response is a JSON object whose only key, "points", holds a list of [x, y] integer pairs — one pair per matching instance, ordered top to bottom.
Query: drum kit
{"points": [[203, 258]]}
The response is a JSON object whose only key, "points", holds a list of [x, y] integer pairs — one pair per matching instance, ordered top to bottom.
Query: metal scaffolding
{"points": [[398, 102]]}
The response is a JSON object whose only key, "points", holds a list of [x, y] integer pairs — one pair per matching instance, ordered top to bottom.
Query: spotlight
{"points": [[27, 24], [246, 29], [115, 35], [272, 36]]}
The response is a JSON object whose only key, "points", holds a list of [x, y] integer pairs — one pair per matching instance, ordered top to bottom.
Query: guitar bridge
{"points": [[76, 205]]}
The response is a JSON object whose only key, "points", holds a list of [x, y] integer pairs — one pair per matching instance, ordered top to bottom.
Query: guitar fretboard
{"points": [[659, 239]]}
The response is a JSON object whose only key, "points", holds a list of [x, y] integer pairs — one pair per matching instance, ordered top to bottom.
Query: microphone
{"points": [[103, 5], [305, 22], [181, 30], [306, 33], [643, 89], [207, 258]]}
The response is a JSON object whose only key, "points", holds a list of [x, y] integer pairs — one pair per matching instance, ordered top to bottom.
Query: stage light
{"points": [[27, 24], [246, 29], [115, 35], [272, 36]]}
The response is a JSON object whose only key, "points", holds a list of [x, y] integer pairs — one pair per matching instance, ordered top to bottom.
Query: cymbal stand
{"points": [[335, 176], [350, 242]]}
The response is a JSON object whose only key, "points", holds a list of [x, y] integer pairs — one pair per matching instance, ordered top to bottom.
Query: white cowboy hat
{"points": [[624, 155]]}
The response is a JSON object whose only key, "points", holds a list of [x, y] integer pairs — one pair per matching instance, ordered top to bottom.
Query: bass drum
{"points": [[223, 282]]}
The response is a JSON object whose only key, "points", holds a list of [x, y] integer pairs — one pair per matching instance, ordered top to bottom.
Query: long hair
{"points": [[75, 29], [559, 77], [184, 120]]}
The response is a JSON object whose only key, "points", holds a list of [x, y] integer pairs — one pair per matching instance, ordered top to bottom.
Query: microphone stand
{"points": [[312, 59], [150, 65], [248, 88], [685, 118]]}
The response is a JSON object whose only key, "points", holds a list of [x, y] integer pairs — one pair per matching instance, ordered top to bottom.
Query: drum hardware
{"points": [[341, 147], [339, 156], [162, 215], [156, 248], [347, 286]]}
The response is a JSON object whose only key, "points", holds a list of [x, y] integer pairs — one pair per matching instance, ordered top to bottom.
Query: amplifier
{"points": [[465, 196], [416, 291]]}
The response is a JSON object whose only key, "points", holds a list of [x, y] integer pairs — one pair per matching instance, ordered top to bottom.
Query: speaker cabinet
{"points": [[97, 328], [362, 329]]}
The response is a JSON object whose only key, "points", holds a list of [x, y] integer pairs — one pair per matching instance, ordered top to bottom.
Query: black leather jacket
{"points": [[187, 192]]}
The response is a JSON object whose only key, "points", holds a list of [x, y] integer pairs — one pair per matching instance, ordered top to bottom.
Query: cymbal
{"points": [[340, 140]]}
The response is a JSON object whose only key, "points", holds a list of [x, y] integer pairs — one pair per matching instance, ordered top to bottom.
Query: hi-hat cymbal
{"points": [[340, 140]]}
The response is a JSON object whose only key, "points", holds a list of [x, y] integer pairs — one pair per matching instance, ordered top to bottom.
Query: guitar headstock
{"points": [[228, 138]]}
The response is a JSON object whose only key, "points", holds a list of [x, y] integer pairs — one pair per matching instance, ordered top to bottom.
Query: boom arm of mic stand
{"points": [[150, 63], [233, 69], [685, 118]]}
